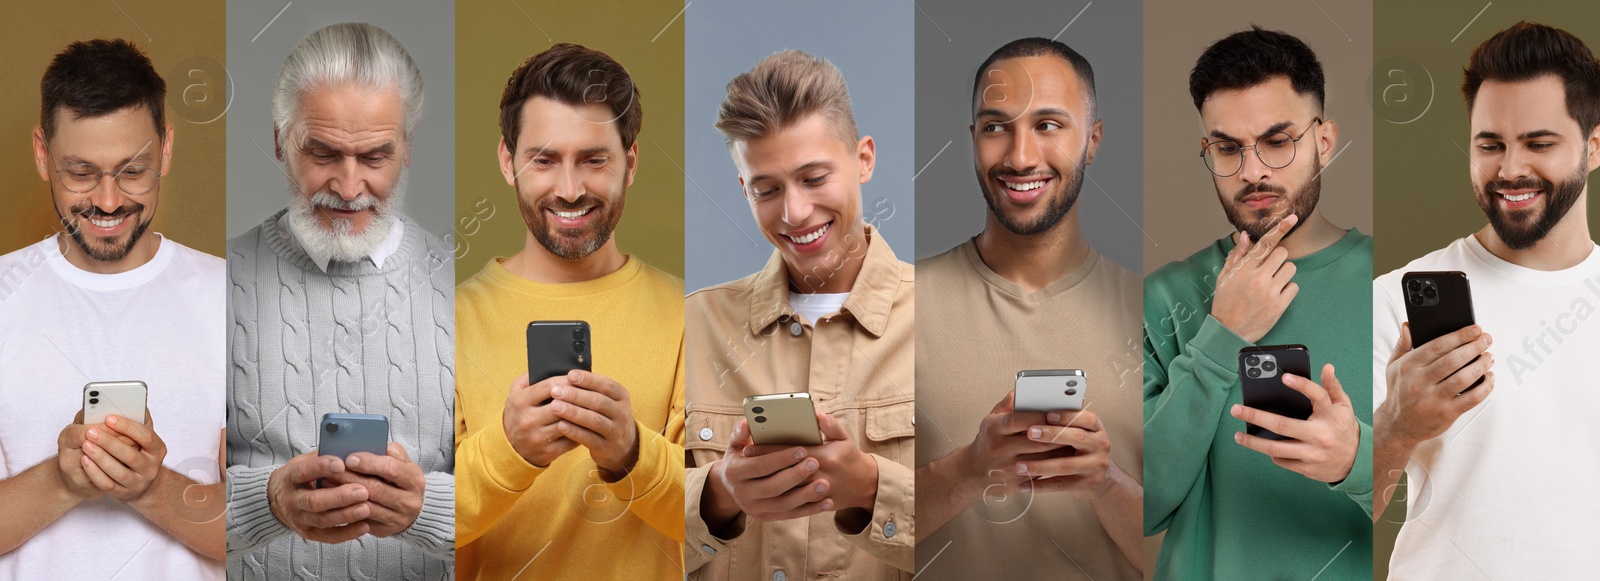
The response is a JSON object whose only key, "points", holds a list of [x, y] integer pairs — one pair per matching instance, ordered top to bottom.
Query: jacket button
{"points": [[794, 329], [705, 434], [888, 530], [708, 549], [778, 576]]}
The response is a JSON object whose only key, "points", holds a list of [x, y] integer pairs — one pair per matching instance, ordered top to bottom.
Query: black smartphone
{"points": [[1438, 304], [557, 347], [1261, 370]]}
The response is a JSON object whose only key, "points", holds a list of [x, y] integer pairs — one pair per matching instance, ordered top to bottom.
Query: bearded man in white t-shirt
{"points": [[105, 300], [1501, 475]]}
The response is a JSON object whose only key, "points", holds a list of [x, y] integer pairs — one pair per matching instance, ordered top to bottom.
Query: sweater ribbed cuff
{"points": [[251, 523], [434, 531]]}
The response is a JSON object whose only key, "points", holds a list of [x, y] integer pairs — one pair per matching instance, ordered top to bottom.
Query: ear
{"points": [[1095, 133], [1327, 141], [277, 144], [1594, 148], [166, 151], [867, 153], [41, 156], [633, 163], [507, 164]]}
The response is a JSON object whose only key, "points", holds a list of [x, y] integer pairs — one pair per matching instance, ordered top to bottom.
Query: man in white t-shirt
{"points": [[104, 301], [1501, 476]]}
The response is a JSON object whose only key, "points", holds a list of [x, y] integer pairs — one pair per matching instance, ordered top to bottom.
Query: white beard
{"points": [[339, 243]]}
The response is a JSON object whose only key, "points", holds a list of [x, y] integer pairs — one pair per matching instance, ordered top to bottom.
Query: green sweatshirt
{"points": [[1228, 511]]}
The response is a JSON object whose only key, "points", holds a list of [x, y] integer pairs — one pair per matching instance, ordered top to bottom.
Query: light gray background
{"points": [[953, 38], [871, 44], [257, 186]]}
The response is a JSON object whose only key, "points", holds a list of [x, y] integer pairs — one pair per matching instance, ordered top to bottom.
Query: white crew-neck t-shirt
{"points": [[815, 306], [162, 323], [1509, 491]]}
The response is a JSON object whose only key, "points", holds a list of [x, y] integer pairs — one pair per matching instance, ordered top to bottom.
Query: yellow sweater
{"points": [[562, 522]]}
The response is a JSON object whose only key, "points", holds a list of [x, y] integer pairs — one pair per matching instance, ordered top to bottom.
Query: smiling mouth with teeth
{"points": [[1025, 186], [1521, 198], [572, 215], [107, 223], [809, 238]]}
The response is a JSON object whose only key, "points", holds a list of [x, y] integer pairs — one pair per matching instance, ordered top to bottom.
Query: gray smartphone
{"points": [[1050, 390], [123, 398], [786, 419], [345, 434]]}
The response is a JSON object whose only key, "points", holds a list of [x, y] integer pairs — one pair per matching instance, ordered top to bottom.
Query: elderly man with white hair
{"points": [[340, 304]]}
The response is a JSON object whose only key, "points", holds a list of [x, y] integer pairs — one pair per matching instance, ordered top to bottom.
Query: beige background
{"points": [[492, 39], [184, 40], [1423, 195], [1181, 211]]}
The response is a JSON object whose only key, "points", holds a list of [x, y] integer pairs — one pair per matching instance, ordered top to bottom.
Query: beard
{"points": [[1056, 205], [1257, 223], [1521, 229], [337, 241], [573, 243], [101, 248]]}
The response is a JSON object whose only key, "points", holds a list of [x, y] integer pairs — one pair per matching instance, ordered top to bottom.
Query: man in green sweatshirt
{"points": [[1236, 506]]}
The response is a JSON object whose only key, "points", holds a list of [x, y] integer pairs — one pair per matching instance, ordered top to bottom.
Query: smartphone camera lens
{"points": [[1413, 285], [1430, 292], [1416, 299], [577, 333], [577, 346], [1252, 361], [1268, 366], [1253, 372], [1072, 383], [1072, 391], [94, 394], [93, 401], [759, 410], [761, 419], [332, 428]]}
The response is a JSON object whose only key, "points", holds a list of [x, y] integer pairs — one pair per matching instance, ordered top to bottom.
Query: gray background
{"points": [[953, 38], [871, 44], [256, 182]]}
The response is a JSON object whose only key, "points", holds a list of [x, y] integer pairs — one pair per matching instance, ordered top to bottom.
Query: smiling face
{"points": [[1032, 137], [1530, 159], [346, 162], [571, 174], [804, 187], [1258, 196], [105, 222]]}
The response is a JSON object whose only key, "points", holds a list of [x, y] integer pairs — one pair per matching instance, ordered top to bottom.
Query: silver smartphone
{"points": [[1050, 390], [123, 398], [786, 419]]}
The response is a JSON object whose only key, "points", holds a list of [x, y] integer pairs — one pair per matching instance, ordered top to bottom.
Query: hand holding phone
{"points": [[1437, 304], [1261, 371], [1050, 390], [104, 398], [785, 419], [1322, 446], [394, 486], [325, 515]]}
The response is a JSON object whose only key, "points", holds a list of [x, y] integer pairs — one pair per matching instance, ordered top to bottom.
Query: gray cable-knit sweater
{"points": [[357, 339]]}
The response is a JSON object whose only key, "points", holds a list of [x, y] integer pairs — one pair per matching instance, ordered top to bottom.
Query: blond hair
{"points": [[781, 90]]}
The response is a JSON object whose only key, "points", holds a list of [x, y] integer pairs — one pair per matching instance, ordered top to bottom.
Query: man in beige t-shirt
{"points": [[1029, 495]]}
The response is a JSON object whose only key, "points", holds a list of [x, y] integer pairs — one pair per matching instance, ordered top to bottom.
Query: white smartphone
{"points": [[1050, 390], [124, 398], [783, 418]]}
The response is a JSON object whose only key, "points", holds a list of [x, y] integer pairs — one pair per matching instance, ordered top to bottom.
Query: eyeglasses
{"points": [[1275, 150], [134, 180]]}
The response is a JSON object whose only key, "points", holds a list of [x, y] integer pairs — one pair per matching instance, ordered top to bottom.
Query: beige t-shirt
{"points": [[975, 331]]}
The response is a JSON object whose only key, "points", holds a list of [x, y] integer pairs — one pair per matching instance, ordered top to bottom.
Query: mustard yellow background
{"points": [[492, 39], [184, 40]]}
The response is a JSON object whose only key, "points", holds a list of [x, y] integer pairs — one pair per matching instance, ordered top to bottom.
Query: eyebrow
{"points": [[1042, 112], [1276, 127], [1537, 133], [314, 143], [585, 152], [144, 158], [801, 169]]}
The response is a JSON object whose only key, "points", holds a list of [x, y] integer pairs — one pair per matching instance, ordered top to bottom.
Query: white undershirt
{"points": [[391, 243], [815, 306], [162, 323], [1508, 491]]}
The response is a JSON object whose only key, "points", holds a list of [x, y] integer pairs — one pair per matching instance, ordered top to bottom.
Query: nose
{"points": [[1024, 153], [1513, 165], [1254, 170], [347, 184], [568, 187], [106, 195], [796, 208]]}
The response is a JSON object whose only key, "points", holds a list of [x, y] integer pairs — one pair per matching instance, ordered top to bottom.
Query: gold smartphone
{"points": [[786, 419]]}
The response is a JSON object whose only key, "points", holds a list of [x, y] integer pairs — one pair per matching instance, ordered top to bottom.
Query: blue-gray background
{"points": [[953, 38], [871, 44], [257, 186]]}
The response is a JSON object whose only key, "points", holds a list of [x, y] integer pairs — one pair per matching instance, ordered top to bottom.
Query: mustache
{"points": [[1528, 183], [1249, 189], [328, 200], [88, 210]]}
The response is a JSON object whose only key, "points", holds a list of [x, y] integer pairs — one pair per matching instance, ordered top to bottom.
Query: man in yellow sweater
{"points": [[577, 476]]}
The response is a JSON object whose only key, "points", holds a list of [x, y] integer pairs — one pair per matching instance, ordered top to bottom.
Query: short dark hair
{"points": [[1026, 47], [1528, 50], [1250, 57], [573, 75], [99, 77]]}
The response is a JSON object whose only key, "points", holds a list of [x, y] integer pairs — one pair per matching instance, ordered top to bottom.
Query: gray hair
{"points": [[353, 53]]}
